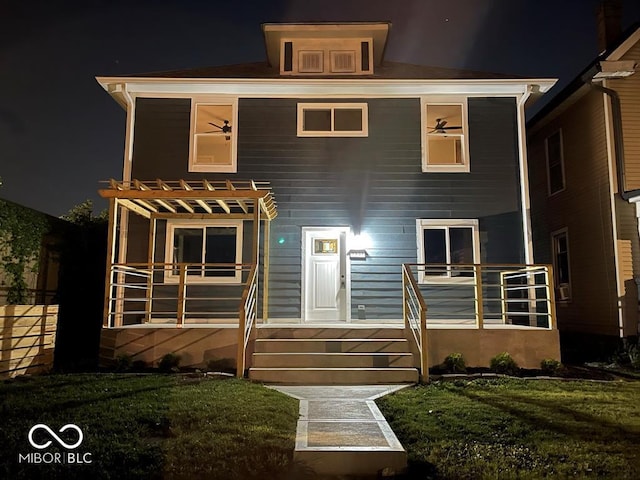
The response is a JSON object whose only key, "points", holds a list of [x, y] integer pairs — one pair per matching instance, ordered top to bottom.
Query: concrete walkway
{"points": [[341, 431]]}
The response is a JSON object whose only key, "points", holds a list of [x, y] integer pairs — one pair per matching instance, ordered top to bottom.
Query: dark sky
{"points": [[61, 134]]}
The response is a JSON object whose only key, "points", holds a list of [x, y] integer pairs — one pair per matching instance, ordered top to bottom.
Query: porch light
{"points": [[358, 244]]}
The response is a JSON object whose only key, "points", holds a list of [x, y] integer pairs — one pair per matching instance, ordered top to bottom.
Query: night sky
{"points": [[61, 134]]}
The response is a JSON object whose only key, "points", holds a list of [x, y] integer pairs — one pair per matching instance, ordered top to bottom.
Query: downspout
{"points": [[616, 111], [525, 204]]}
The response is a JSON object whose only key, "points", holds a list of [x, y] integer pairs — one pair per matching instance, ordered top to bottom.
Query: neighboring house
{"points": [[584, 178], [291, 192]]}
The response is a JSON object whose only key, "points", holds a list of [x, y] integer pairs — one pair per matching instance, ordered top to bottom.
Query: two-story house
{"points": [[584, 157], [335, 200]]}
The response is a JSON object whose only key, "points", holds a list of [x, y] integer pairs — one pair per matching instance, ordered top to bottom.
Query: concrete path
{"points": [[341, 431]]}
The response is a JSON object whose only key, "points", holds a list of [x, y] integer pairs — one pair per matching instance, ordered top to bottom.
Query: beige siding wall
{"points": [[629, 91], [584, 209], [628, 264]]}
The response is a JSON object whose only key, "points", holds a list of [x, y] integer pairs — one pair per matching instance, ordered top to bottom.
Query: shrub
{"points": [[123, 363], [169, 363], [454, 363], [503, 363], [220, 365], [550, 366]]}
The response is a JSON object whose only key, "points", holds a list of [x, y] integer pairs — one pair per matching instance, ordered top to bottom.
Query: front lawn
{"points": [[149, 426], [511, 428]]}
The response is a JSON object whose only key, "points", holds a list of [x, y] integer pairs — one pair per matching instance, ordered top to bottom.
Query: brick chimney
{"points": [[609, 23]]}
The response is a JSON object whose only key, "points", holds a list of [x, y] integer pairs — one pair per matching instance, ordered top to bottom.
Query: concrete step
{"points": [[330, 332], [351, 345], [333, 360], [334, 376]]}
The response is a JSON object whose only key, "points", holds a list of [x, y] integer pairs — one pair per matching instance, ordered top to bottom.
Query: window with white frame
{"points": [[333, 120], [213, 136], [445, 138], [555, 162], [200, 243], [444, 243], [560, 251]]}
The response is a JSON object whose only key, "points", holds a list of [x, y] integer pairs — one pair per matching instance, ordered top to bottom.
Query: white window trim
{"points": [[445, 100], [333, 106], [546, 154], [233, 166], [423, 223], [172, 225], [554, 261]]}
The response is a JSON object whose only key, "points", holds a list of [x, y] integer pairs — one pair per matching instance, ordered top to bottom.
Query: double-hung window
{"points": [[333, 120], [213, 135], [445, 142], [555, 162], [198, 244], [443, 244]]}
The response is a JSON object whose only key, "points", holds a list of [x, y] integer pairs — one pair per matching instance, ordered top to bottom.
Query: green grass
{"points": [[151, 426], [511, 429]]}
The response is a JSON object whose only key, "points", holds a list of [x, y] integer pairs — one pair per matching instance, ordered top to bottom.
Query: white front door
{"points": [[325, 286]]}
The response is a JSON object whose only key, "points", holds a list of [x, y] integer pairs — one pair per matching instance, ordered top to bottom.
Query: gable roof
{"points": [[615, 51]]}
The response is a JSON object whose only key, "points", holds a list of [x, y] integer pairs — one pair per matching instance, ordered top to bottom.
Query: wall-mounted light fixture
{"points": [[358, 244]]}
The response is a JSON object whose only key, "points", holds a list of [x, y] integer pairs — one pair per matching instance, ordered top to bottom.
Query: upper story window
{"points": [[328, 56], [333, 120], [445, 135], [213, 136], [555, 162], [447, 242]]}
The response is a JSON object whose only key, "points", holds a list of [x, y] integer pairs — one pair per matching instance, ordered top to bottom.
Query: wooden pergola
{"points": [[201, 200]]}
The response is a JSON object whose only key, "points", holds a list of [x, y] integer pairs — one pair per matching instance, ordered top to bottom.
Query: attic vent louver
{"points": [[343, 61], [311, 62]]}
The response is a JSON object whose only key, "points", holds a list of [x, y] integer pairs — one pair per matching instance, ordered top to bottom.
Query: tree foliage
{"points": [[21, 233]]}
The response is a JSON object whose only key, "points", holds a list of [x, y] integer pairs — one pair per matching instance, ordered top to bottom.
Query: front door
{"points": [[325, 287]]}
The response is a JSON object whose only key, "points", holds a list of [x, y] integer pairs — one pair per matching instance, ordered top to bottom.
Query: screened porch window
{"points": [[205, 244]]}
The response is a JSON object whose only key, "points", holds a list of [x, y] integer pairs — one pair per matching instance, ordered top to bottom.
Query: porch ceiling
{"points": [[220, 198]]}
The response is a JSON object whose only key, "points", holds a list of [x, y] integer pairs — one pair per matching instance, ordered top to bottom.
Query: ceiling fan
{"points": [[225, 128], [442, 128]]}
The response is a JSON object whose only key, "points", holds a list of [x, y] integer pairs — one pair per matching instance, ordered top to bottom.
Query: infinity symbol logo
{"points": [[56, 437]]}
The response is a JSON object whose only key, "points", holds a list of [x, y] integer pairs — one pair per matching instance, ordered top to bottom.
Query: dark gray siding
{"points": [[374, 182]]}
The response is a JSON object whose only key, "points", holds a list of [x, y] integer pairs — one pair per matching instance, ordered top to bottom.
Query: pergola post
{"points": [[111, 254]]}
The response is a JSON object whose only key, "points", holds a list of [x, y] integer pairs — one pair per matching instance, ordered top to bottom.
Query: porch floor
{"points": [[341, 431]]}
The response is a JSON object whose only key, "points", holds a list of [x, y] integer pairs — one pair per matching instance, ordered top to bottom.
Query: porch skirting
{"points": [[198, 345]]}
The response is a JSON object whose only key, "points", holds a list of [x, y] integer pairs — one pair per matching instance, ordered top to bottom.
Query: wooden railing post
{"points": [[181, 295], [551, 296], [479, 298], [405, 314], [424, 350], [240, 360]]}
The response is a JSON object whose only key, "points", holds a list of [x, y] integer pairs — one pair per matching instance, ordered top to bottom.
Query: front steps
{"points": [[332, 356]]}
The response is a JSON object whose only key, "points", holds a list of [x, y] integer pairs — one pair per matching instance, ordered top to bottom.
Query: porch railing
{"points": [[175, 294], [482, 296], [414, 312], [247, 318]]}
